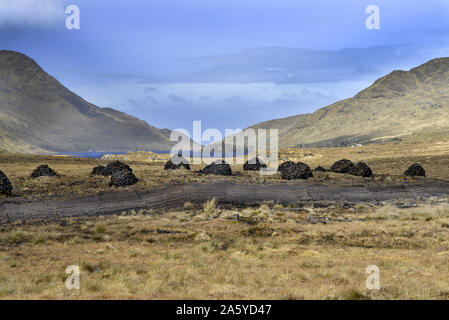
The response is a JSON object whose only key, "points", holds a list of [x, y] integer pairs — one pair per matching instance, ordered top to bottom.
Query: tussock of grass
{"points": [[188, 205], [209, 207], [100, 229], [17, 237], [40, 239], [354, 294]]}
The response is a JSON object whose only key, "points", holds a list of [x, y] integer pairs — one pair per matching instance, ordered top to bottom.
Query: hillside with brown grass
{"points": [[400, 104], [37, 113]]}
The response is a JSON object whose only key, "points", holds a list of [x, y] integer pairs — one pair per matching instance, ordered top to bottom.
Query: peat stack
{"points": [[177, 163], [254, 165], [286, 165], [116, 166], [342, 166], [219, 168], [305, 168], [320, 169], [361, 169], [415, 170], [43, 171], [98, 171], [295, 171], [122, 179], [5, 184]]}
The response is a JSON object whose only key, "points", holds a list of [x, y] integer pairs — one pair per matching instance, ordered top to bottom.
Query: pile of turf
{"points": [[177, 163], [254, 165], [286, 165], [115, 166], [342, 166], [218, 168], [361, 169], [415, 170], [43, 171], [98, 171], [293, 171], [121, 174], [122, 179], [5, 184]]}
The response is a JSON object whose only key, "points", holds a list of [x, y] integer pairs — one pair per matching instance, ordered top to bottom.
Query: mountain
{"points": [[400, 104], [38, 114]]}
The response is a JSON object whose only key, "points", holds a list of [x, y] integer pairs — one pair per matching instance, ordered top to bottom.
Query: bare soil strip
{"points": [[175, 196]]}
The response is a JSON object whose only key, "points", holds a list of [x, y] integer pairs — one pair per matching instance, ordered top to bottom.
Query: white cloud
{"points": [[30, 12], [129, 96], [219, 105]]}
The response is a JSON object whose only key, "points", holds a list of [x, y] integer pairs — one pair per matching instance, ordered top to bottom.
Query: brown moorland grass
{"points": [[388, 162], [213, 251], [274, 253]]}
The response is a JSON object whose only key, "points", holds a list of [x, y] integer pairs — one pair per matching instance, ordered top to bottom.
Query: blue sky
{"points": [[229, 63]]}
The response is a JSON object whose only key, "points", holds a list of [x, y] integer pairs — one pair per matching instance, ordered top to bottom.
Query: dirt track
{"points": [[173, 197]]}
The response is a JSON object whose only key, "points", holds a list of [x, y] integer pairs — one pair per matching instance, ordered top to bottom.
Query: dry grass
{"points": [[188, 205], [209, 207], [213, 251], [270, 252]]}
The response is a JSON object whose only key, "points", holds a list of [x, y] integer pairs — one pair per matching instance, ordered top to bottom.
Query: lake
{"points": [[98, 154]]}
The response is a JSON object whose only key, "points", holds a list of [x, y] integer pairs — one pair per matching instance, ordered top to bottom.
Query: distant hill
{"points": [[397, 105], [38, 114]]}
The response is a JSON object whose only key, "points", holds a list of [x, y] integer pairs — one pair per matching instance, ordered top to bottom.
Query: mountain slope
{"points": [[399, 104], [37, 113]]}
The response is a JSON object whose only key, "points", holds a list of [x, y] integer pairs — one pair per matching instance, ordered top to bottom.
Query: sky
{"points": [[228, 63]]}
